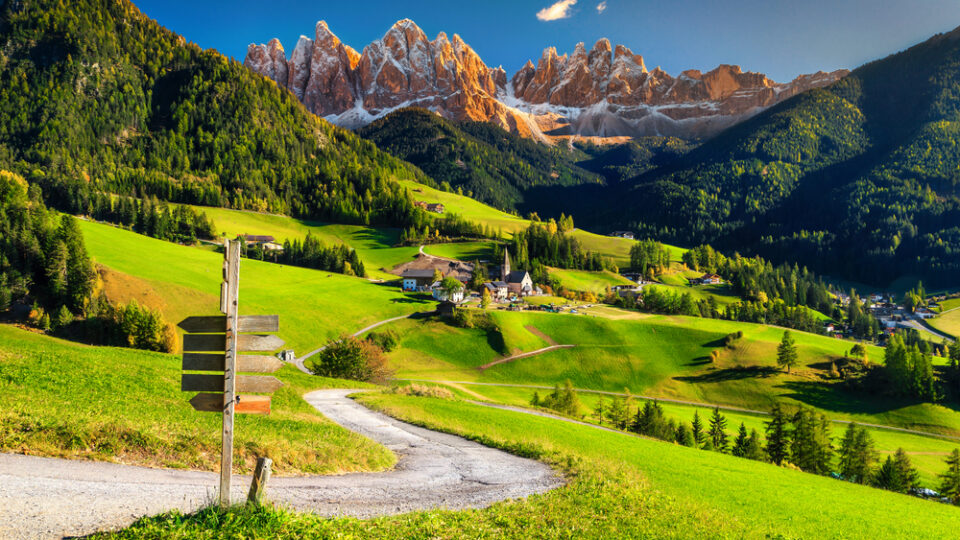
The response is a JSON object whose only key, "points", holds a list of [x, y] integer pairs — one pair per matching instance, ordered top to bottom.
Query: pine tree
{"points": [[787, 351], [598, 411], [617, 413], [697, 430], [718, 433], [683, 436], [778, 440], [740, 444], [754, 448], [811, 448], [856, 455], [897, 473], [950, 480]]}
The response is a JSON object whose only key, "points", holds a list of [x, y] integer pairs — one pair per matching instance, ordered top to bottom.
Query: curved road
{"points": [[52, 498]]}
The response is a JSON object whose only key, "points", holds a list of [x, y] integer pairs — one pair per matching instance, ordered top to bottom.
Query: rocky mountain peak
{"points": [[606, 91]]}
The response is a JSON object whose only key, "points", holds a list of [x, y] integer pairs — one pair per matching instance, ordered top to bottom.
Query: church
{"points": [[518, 282]]}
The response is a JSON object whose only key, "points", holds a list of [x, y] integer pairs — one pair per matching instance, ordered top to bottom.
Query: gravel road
{"points": [[52, 498]]}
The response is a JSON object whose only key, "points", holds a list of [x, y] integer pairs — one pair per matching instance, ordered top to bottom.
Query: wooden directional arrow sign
{"points": [[216, 324], [218, 343], [245, 363], [260, 384], [247, 404]]}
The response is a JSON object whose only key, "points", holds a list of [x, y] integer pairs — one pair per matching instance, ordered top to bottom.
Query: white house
{"points": [[439, 293]]}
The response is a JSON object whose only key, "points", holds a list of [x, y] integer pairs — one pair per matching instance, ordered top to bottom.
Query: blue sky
{"points": [[776, 37]]}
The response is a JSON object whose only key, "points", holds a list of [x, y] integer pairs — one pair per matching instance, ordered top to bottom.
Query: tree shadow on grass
{"points": [[699, 361], [731, 374], [832, 397]]}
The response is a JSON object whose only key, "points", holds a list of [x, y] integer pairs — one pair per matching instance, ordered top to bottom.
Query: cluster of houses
{"points": [[436, 208], [420, 276]]}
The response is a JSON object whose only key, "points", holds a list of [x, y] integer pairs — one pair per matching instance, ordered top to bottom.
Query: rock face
{"points": [[606, 92]]}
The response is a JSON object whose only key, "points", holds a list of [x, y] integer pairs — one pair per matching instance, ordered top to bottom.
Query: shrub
{"points": [[386, 340], [352, 358], [422, 390]]}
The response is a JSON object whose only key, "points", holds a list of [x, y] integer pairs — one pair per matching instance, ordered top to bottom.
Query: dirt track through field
{"points": [[53, 498]]}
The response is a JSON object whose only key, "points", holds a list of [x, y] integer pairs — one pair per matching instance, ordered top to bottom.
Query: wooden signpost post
{"points": [[211, 344]]}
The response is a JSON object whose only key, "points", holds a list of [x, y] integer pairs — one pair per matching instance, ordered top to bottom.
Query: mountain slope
{"points": [[607, 92], [96, 96], [486, 162], [858, 179]]}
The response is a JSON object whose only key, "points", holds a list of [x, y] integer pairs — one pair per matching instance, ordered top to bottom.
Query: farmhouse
{"points": [[436, 208], [623, 234], [428, 263], [416, 279], [707, 279], [498, 290], [439, 293]]}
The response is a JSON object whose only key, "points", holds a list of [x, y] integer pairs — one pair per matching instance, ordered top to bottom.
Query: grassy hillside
{"points": [[493, 165], [375, 245], [582, 280], [313, 306], [657, 356], [62, 399], [620, 487]]}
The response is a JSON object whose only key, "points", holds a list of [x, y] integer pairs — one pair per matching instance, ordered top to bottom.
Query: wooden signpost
{"points": [[211, 345]]}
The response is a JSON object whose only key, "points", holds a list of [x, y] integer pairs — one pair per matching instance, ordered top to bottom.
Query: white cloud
{"points": [[602, 6], [559, 10]]}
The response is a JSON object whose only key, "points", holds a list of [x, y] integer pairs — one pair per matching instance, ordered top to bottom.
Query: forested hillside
{"points": [[95, 96], [484, 161], [858, 180]]}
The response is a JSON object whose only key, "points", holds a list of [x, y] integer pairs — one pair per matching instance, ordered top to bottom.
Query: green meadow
{"points": [[314, 306], [658, 356], [62, 399], [619, 487]]}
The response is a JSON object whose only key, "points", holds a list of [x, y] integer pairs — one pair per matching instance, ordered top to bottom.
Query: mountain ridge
{"points": [[607, 92]]}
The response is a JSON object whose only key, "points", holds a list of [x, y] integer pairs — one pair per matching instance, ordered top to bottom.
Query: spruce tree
{"points": [[787, 351], [598, 410], [697, 430], [718, 433], [683, 436], [778, 439], [740, 444], [754, 448], [856, 455], [897, 473], [950, 480]]}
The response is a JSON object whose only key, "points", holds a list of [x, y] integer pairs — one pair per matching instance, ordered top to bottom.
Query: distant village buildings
{"points": [[436, 208], [623, 234]]}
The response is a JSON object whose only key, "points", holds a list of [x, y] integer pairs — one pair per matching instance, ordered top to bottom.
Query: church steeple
{"points": [[505, 269]]}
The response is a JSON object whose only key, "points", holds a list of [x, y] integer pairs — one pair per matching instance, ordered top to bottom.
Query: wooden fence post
{"points": [[259, 483]]}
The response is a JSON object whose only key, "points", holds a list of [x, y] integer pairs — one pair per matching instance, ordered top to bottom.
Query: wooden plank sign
{"points": [[216, 324], [218, 343], [245, 363], [258, 384], [248, 404]]}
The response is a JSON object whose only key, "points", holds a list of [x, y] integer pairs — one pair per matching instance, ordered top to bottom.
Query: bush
{"points": [[386, 340], [354, 359], [422, 390]]}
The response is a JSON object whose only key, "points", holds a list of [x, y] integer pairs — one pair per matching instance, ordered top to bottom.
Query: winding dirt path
{"points": [[489, 365], [52, 498]]}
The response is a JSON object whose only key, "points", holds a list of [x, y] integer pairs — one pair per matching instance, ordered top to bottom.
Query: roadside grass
{"points": [[582, 280], [311, 303], [948, 323], [659, 356], [62, 399], [620, 487]]}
